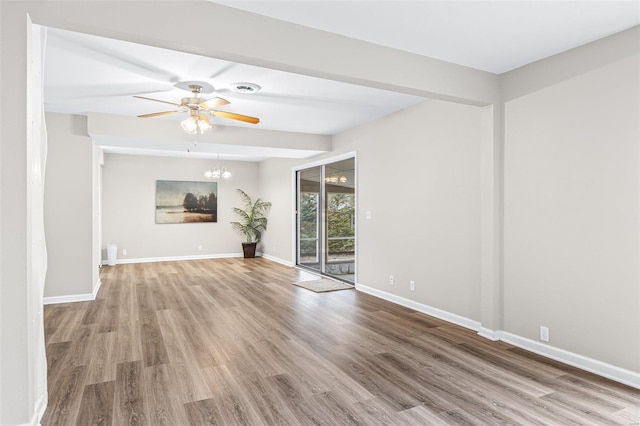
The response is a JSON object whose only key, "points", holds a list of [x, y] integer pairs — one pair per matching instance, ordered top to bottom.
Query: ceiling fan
{"points": [[197, 108]]}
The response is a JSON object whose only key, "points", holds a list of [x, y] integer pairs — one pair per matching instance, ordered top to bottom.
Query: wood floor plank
{"points": [[93, 312], [70, 319], [129, 341], [232, 341], [154, 350], [56, 355], [102, 367], [190, 384], [64, 401], [296, 402], [129, 403], [164, 405], [96, 407], [234, 407], [270, 407], [203, 412], [341, 412], [376, 413], [420, 415]]}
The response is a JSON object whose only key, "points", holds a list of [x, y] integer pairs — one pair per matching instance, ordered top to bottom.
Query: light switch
{"points": [[368, 214]]}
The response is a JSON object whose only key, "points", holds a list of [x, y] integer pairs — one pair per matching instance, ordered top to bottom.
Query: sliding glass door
{"points": [[326, 212]]}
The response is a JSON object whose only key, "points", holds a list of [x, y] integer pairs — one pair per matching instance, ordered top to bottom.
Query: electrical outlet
{"points": [[199, 248], [124, 252], [391, 280], [412, 285], [544, 333]]}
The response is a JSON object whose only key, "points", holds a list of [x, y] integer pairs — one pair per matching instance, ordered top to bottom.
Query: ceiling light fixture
{"points": [[196, 122], [218, 172], [336, 179]]}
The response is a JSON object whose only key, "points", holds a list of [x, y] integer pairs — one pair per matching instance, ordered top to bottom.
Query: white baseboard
{"points": [[174, 258], [275, 259], [96, 287], [74, 297], [420, 307], [490, 334], [600, 368], [41, 407], [38, 411]]}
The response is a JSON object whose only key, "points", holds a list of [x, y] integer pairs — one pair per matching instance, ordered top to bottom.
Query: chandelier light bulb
{"points": [[218, 172]]}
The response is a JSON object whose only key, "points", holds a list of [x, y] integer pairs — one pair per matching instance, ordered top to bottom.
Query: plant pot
{"points": [[249, 250]]}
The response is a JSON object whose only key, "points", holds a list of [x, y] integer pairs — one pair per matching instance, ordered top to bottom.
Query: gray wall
{"points": [[419, 174], [572, 193], [128, 196], [69, 212]]}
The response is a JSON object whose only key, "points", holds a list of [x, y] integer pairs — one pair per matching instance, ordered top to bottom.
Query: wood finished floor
{"points": [[231, 341]]}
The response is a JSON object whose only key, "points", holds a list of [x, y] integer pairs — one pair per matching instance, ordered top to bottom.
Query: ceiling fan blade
{"points": [[157, 100], [214, 102], [156, 114], [234, 116]]}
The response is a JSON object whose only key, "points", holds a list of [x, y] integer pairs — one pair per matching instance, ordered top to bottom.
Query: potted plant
{"points": [[252, 222]]}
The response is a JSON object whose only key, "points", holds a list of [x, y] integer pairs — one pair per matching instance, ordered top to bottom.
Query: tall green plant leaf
{"points": [[252, 219]]}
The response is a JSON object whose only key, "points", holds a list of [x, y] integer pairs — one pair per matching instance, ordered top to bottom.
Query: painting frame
{"points": [[179, 201]]}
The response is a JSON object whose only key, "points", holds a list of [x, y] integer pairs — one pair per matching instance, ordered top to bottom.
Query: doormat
{"points": [[323, 285]]}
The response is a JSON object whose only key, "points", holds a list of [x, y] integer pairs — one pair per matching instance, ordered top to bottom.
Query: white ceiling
{"points": [[494, 36], [85, 73], [88, 74]]}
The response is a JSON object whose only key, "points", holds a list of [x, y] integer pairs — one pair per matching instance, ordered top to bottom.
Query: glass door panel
{"points": [[309, 218], [340, 255]]}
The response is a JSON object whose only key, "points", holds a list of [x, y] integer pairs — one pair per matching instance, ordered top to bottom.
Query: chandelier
{"points": [[196, 122], [218, 172], [336, 179]]}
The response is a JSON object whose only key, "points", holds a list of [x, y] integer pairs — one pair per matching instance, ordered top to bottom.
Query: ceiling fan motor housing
{"points": [[191, 102]]}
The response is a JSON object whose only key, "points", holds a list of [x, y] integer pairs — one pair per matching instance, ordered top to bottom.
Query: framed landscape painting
{"points": [[186, 201]]}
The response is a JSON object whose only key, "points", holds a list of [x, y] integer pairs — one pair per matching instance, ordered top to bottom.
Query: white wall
{"points": [[275, 186], [129, 188], [572, 198], [69, 209], [23, 261]]}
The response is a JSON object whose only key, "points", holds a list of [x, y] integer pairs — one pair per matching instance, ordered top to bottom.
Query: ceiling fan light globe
{"points": [[190, 125], [204, 125], [208, 174], [216, 174], [226, 174]]}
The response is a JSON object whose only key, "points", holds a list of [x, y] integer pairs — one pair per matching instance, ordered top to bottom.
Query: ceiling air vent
{"points": [[245, 88]]}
